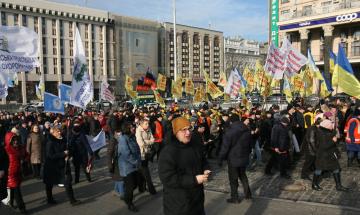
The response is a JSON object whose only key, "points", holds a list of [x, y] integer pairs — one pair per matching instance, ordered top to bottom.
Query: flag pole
{"points": [[175, 42]]}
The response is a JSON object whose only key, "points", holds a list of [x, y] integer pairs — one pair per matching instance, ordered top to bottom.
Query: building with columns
{"points": [[320, 25], [198, 50], [241, 53]]}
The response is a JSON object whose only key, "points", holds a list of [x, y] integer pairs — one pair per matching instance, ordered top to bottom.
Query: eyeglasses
{"points": [[190, 128]]}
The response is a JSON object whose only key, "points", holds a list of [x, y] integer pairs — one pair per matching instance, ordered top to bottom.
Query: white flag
{"points": [[19, 49], [294, 59], [275, 62], [4, 76], [234, 83], [82, 88], [106, 94], [97, 142]]}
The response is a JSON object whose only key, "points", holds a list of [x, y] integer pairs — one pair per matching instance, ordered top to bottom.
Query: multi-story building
{"points": [[55, 24], [320, 25], [114, 45], [198, 50], [241, 53]]}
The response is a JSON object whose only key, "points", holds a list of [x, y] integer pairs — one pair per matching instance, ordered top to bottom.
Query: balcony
{"points": [[320, 10]]}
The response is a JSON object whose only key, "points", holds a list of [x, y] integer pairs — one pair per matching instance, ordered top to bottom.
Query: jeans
{"points": [[258, 151], [351, 154], [119, 187]]}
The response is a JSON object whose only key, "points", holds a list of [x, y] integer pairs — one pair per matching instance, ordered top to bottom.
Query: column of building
{"points": [[304, 33], [328, 44], [58, 52], [41, 53], [190, 53], [90, 56], [23, 75]]}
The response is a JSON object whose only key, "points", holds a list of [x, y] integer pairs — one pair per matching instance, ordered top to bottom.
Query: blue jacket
{"points": [[129, 158]]}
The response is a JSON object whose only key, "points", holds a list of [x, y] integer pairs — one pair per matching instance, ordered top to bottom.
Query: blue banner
{"points": [[65, 92], [53, 104]]}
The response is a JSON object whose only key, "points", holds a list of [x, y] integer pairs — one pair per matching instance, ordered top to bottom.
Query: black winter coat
{"points": [[280, 137], [310, 144], [236, 145], [79, 147], [327, 153], [4, 166], [54, 166], [178, 166]]}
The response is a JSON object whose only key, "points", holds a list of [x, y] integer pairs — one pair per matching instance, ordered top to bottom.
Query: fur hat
{"points": [[179, 123]]}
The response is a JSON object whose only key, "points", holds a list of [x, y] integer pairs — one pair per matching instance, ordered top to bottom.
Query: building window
{"points": [[285, 1], [325, 3], [307, 10], [283, 12], [3, 18], [16, 19], [24, 20], [36, 24], [43, 25], [53, 27], [61, 28], [70, 29], [86, 31], [101, 32], [137, 41], [71, 44], [44, 45], [345, 47], [355, 49], [54, 51], [45, 65], [62, 66]]}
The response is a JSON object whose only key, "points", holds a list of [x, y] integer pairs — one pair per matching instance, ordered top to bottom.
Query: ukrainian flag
{"points": [[332, 61], [313, 68], [344, 77], [287, 90]]}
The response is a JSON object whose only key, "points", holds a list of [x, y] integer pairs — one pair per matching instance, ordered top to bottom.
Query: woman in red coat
{"points": [[15, 154]]}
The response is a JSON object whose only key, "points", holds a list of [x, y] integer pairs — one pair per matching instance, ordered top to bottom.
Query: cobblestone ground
{"points": [[273, 186]]}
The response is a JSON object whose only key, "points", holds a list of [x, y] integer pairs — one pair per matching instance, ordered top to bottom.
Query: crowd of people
{"points": [[180, 140]]}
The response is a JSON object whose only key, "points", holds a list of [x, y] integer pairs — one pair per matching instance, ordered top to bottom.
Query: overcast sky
{"points": [[247, 18]]}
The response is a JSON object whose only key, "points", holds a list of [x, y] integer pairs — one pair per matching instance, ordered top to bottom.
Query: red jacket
{"points": [[158, 134], [15, 155]]}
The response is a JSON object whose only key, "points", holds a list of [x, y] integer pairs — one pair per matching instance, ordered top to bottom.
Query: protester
{"points": [[34, 148], [236, 149], [16, 152], [129, 162], [183, 170]]}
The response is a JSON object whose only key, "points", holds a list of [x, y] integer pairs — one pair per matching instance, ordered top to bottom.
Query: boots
{"points": [[88, 177], [315, 183], [339, 186], [49, 196]]}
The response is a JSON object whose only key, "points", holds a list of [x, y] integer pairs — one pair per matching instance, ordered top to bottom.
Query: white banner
{"points": [[19, 49], [294, 59], [233, 85], [82, 88], [105, 93], [97, 142]]}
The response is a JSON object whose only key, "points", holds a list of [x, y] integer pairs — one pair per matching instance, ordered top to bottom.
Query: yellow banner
{"points": [[222, 79], [161, 82], [129, 83], [189, 86], [176, 88], [211, 88], [132, 93], [199, 95], [159, 99]]}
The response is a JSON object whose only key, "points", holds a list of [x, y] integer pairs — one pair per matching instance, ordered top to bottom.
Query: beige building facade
{"points": [[320, 25], [198, 50]]}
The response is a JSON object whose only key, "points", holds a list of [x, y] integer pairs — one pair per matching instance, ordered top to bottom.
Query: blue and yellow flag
{"points": [[332, 61], [344, 77]]}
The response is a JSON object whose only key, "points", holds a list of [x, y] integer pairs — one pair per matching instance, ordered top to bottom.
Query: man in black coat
{"points": [[280, 144], [236, 150], [183, 170]]}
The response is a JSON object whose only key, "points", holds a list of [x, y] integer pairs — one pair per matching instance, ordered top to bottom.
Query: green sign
{"points": [[274, 20]]}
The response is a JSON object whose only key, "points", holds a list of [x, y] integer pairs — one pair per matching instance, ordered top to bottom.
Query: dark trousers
{"points": [[158, 147], [278, 159], [309, 165], [36, 169], [77, 171], [234, 174], [145, 177], [130, 182], [68, 188], [15, 193]]}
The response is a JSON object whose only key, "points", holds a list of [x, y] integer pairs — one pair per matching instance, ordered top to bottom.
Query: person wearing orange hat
{"points": [[183, 170]]}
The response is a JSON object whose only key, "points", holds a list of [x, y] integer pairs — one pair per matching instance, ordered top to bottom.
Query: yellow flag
{"points": [[258, 66], [249, 78], [222, 79], [161, 82], [128, 83], [189, 86], [176, 88], [211, 88], [132, 93], [199, 95], [159, 99]]}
